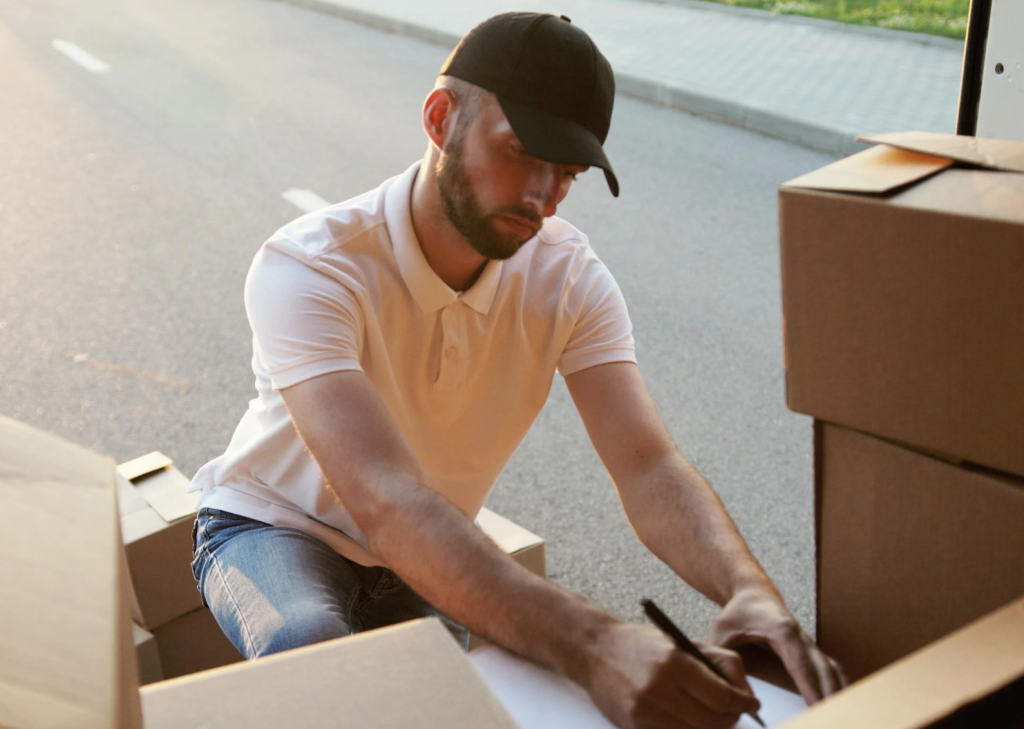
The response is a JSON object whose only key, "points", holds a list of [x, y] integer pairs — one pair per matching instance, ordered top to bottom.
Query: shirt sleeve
{"points": [[304, 322], [602, 331]]}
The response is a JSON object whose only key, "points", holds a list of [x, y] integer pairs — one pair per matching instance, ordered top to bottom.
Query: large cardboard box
{"points": [[902, 295], [156, 522], [910, 547], [66, 637], [194, 642], [191, 643], [66, 650], [408, 675], [972, 679]]}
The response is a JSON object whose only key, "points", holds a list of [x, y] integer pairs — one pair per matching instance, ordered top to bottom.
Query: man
{"points": [[404, 341]]}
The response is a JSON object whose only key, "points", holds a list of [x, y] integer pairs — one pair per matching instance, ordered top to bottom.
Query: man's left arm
{"points": [[679, 517]]}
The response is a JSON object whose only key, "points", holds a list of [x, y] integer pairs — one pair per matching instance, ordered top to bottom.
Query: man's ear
{"points": [[438, 114]]}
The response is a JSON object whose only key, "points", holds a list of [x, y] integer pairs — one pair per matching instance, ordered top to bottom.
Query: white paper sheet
{"points": [[540, 699]]}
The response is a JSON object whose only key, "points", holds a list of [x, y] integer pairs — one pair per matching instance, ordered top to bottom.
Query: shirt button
{"points": [[450, 352]]}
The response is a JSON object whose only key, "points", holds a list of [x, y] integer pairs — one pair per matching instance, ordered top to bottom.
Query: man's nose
{"points": [[544, 188]]}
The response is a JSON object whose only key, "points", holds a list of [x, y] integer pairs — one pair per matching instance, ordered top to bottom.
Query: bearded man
{"points": [[404, 341]]}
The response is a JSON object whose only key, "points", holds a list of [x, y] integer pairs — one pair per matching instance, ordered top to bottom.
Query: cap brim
{"points": [[556, 139]]}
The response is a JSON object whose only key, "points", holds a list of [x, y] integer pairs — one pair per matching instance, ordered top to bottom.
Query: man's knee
{"points": [[263, 619], [298, 626]]}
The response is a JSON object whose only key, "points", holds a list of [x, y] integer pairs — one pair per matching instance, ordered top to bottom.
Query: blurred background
{"points": [[148, 148]]}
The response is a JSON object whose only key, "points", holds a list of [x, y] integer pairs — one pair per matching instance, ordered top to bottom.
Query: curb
{"points": [[892, 34], [699, 103], [746, 116]]}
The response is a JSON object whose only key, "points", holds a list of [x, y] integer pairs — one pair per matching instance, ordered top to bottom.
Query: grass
{"points": [[937, 17]]}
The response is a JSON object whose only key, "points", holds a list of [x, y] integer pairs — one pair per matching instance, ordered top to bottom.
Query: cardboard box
{"points": [[902, 295], [156, 522], [522, 545], [910, 547], [65, 634], [194, 642], [191, 643], [147, 656], [408, 675], [972, 679]]}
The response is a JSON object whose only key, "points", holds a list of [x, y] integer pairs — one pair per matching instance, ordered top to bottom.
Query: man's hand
{"points": [[759, 616], [640, 680]]}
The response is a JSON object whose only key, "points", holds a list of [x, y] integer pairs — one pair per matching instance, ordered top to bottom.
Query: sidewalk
{"points": [[810, 82]]}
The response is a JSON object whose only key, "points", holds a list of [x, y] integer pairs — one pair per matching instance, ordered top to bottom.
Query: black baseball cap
{"points": [[556, 89]]}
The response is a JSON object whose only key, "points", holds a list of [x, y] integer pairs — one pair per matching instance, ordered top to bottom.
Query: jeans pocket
{"points": [[199, 539], [388, 583]]}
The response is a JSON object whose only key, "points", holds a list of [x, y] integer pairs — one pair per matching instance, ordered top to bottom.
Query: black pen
{"points": [[683, 643]]}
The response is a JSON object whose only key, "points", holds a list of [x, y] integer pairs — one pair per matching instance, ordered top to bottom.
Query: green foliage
{"points": [[938, 17]]}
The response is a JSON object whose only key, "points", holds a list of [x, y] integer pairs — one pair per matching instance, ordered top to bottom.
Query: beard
{"points": [[462, 208]]}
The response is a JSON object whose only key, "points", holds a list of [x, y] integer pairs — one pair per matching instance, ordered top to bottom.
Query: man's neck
{"points": [[447, 252]]}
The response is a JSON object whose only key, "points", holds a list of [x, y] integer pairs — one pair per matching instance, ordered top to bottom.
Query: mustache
{"points": [[525, 213]]}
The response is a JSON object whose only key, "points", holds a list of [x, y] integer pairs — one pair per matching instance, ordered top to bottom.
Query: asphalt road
{"points": [[133, 199]]}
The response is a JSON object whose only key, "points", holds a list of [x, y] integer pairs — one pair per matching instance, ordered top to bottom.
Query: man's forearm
{"points": [[680, 518], [426, 540], [453, 565]]}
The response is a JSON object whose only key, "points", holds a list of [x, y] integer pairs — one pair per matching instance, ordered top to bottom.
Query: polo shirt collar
{"points": [[427, 289]]}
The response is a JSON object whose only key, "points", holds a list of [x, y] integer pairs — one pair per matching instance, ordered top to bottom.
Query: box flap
{"points": [[993, 154], [876, 170], [142, 465], [160, 484], [166, 492], [129, 500], [141, 524], [506, 534], [62, 596], [407, 675], [933, 683]]}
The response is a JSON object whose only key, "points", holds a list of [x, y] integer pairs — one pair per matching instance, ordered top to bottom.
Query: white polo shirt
{"points": [[463, 374]]}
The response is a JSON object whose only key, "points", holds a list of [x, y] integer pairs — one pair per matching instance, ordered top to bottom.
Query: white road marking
{"points": [[83, 58], [305, 200]]}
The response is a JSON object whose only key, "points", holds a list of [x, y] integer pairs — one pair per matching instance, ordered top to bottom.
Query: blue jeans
{"points": [[275, 588]]}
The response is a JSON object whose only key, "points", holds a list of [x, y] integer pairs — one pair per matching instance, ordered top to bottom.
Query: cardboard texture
{"points": [[995, 154], [879, 169], [902, 311], [144, 465], [156, 522], [522, 545], [910, 547], [65, 635], [191, 643], [147, 656], [408, 675], [946, 684]]}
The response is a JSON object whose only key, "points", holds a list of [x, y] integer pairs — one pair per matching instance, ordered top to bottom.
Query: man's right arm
{"points": [[633, 672]]}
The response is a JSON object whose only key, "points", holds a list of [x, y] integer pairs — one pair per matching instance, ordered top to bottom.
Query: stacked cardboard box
{"points": [[903, 305], [156, 524], [66, 645], [66, 648], [66, 657], [971, 679]]}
